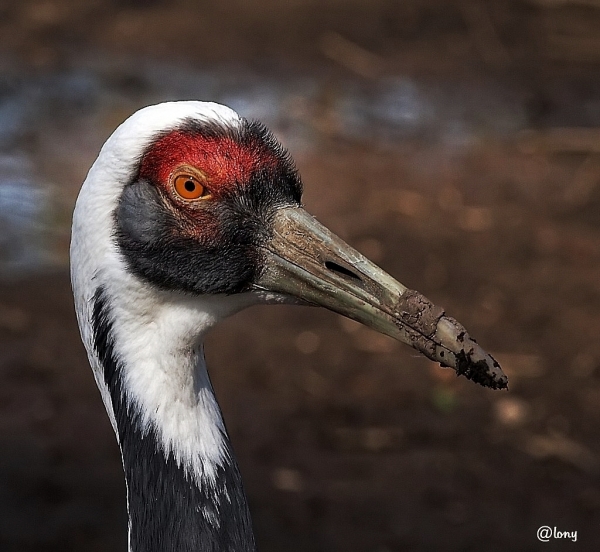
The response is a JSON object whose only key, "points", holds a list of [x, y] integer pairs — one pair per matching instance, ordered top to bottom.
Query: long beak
{"points": [[304, 260]]}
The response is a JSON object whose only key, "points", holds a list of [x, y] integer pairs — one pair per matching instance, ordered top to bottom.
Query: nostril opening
{"points": [[342, 270]]}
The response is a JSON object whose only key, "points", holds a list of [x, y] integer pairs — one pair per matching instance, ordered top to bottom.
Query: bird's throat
{"points": [[184, 488]]}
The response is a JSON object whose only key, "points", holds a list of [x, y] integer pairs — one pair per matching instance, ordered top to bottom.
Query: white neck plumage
{"points": [[184, 488]]}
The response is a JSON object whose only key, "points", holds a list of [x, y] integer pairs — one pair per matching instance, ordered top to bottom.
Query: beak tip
{"points": [[468, 358], [485, 371]]}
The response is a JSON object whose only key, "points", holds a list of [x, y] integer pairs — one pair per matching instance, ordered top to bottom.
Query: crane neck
{"points": [[184, 488]]}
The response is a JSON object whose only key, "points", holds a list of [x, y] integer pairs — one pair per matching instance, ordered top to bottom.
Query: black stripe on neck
{"points": [[169, 511]]}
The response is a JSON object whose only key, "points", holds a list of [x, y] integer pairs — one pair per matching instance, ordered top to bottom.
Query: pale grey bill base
{"points": [[306, 261]]}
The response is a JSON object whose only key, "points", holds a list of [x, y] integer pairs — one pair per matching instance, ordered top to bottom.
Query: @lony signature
{"points": [[545, 533]]}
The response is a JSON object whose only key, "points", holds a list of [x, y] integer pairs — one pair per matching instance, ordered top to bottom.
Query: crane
{"points": [[190, 214]]}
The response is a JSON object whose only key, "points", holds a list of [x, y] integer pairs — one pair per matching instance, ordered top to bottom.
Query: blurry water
{"points": [[52, 126], [23, 211]]}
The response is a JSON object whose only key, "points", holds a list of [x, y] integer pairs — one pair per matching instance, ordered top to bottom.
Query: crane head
{"points": [[202, 202]]}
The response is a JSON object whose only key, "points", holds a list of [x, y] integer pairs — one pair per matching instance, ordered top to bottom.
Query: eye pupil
{"points": [[189, 185]]}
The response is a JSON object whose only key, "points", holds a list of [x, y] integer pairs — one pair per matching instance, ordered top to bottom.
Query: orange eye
{"points": [[189, 187]]}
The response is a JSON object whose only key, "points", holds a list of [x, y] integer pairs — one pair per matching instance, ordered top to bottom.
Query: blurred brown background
{"points": [[456, 143]]}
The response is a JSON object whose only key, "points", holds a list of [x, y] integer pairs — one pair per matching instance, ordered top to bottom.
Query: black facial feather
{"points": [[284, 183], [149, 236], [156, 247]]}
